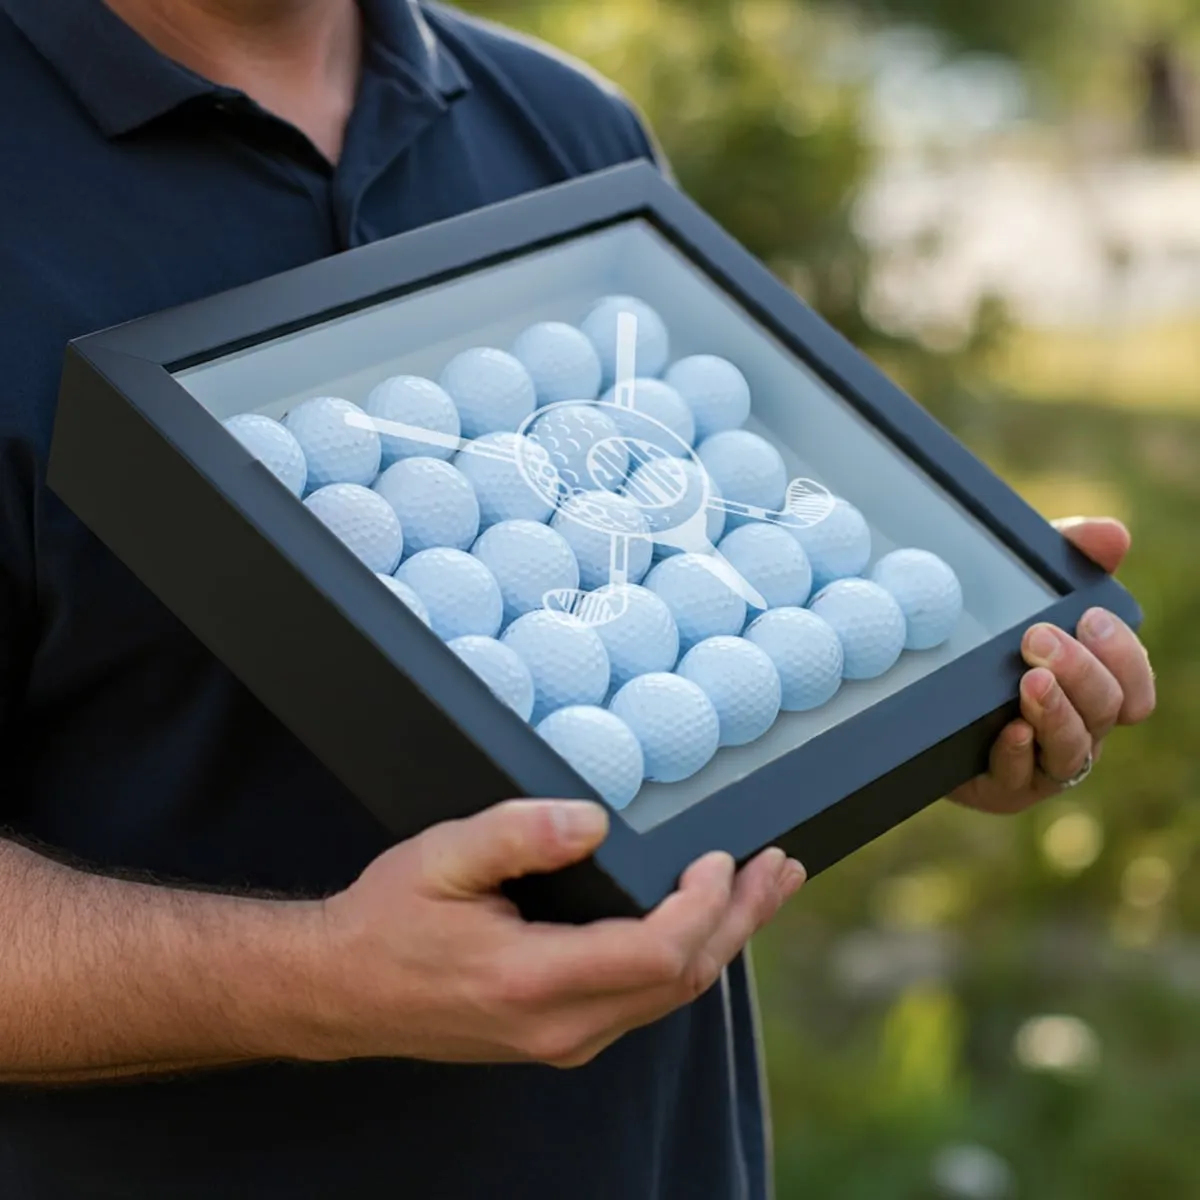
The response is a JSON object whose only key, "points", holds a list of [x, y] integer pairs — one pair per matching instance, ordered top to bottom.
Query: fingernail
{"points": [[1098, 625], [1043, 644], [1041, 688], [579, 821], [794, 876]]}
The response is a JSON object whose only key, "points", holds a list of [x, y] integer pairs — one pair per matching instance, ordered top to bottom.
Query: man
{"points": [[238, 990]]}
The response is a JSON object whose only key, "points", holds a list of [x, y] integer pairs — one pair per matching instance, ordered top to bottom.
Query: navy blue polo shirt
{"points": [[129, 185]]}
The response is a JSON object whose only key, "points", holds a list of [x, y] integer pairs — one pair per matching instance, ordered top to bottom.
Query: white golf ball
{"points": [[653, 342], [561, 361], [714, 389], [491, 390], [411, 400], [660, 402], [274, 446], [584, 446], [336, 452], [492, 464], [747, 469], [650, 485], [434, 501], [591, 522], [365, 523], [838, 546], [769, 559], [528, 560], [459, 592], [928, 592], [405, 594], [703, 605], [868, 622], [642, 638], [806, 652], [566, 658], [501, 668], [741, 681], [674, 721], [601, 748]]}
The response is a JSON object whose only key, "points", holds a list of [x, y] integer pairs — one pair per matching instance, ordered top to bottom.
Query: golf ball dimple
{"points": [[653, 342], [561, 361], [714, 389], [491, 390], [411, 400], [660, 402], [274, 446], [584, 446], [336, 451], [492, 463], [747, 469], [650, 484], [434, 501], [363, 521], [590, 522], [838, 546], [528, 560], [772, 562], [459, 592], [928, 592], [405, 594], [703, 605], [868, 622], [642, 638], [806, 652], [566, 658], [501, 668], [741, 681], [674, 721], [600, 747]]}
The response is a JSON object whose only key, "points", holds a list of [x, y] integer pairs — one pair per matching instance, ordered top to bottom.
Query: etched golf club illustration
{"points": [[596, 463]]}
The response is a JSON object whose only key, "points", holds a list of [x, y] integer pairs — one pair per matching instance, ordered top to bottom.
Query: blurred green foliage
{"points": [[1029, 987]]}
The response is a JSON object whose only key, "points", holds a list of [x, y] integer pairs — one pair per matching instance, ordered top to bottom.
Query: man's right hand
{"points": [[424, 958]]}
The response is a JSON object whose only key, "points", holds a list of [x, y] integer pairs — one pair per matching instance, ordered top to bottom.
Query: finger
{"points": [[1103, 539], [1116, 646], [1089, 685], [1063, 740], [1011, 763], [520, 837]]}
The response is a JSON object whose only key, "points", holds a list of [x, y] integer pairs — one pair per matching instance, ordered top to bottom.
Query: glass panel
{"points": [[810, 446]]}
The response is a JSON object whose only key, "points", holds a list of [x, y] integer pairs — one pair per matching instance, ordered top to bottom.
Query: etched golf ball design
{"points": [[601, 325], [561, 361], [714, 389], [491, 390], [411, 400], [660, 402], [274, 446], [584, 447], [336, 450], [501, 468], [747, 469], [671, 494], [434, 501], [590, 521], [364, 522], [839, 547], [528, 560], [771, 560], [459, 592], [928, 592], [406, 595], [702, 604], [868, 622], [643, 638], [806, 652], [566, 658], [501, 668], [741, 681], [674, 721], [601, 748]]}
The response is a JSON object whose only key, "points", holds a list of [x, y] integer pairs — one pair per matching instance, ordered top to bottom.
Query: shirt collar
{"points": [[124, 82]]}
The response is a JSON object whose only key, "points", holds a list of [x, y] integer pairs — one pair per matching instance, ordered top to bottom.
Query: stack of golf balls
{"points": [[476, 497]]}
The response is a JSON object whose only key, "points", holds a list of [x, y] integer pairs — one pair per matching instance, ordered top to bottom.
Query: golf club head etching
{"points": [[562, 461]]}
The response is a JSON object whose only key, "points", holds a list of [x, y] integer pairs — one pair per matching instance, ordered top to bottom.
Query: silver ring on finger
{"points": [[1077, 778]]}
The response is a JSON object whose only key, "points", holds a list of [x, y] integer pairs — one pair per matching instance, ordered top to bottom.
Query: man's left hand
{"points": [[1078, 689]]}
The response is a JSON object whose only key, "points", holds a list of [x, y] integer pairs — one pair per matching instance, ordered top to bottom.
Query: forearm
{"points": [[101, 978]]}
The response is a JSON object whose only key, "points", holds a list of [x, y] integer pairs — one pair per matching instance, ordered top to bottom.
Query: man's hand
{"points": [[1079, 688], [423, 958]]}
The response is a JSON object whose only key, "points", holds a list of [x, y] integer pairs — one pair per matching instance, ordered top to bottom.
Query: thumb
{"points": [[1104, 540], [519, 837]]}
